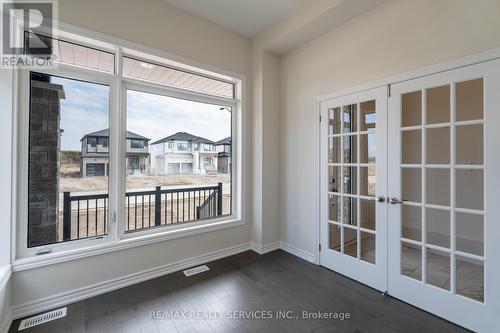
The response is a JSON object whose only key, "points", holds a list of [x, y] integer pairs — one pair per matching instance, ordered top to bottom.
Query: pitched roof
{"points": [[105, 133], [183, 136], [226, 141]]}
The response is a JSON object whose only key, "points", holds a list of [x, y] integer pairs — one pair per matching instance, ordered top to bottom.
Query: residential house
{"points": [[223, 150], [183, 153], [94, 156]]}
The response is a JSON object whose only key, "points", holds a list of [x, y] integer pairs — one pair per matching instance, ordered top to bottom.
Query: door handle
{"points": [[381, 198], [395, 200]]}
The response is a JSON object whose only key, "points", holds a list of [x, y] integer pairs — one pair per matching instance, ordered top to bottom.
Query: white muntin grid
{"points": [[337, 141], [452, 167]]}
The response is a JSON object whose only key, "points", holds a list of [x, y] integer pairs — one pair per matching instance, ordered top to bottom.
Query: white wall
{"points": [[158, 25], [397, 36], [5, 189]]}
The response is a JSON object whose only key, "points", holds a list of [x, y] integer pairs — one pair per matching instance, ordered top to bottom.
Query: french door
{"points": [[354, 180], [444, 188], [410, 192]]}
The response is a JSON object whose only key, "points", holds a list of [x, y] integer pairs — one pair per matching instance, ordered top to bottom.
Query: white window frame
{"points": [[27, 258]]}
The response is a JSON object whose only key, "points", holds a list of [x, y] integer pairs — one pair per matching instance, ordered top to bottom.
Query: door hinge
{"points": [[388, 90], [320, 118], [319, 247]]}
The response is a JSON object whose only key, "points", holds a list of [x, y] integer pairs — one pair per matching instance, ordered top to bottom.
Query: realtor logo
{"points": [[27, 33]]}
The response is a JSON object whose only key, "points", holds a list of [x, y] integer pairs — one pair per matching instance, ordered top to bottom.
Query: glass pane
{"points": [[72, 54], [177, 78], [469, 98], [438, 105], [411, 108], [368, 116], [350, 118], [334, 121], [469, 144], [438, 145], [411, 147], [350, 148], [367, 148], [334, 150], [68, 158], [166, 161], [334, 178], [350, 180], [367, 180], [411, 184], [438, 186], [470, 189], [333, 208], [350, 211], [367, 214], [411, 222], [438, 227], [470, 233], [350, 242], [334, 243], [368, 253], [411, 261], [438, 269], [470, 278]]}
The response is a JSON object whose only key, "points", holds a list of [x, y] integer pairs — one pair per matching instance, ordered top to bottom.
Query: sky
{"points": [[86, 110]]}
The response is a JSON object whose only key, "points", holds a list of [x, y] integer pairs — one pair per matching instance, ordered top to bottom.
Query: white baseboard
{"points": [[263, 249], [298, 252], [79, 294], [6, 323]]}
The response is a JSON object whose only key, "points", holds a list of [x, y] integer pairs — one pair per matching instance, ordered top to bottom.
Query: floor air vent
{"points": [[196, 270], [43, 318]]}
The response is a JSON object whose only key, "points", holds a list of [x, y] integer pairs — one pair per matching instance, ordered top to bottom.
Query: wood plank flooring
{"points": [[245, 282]]}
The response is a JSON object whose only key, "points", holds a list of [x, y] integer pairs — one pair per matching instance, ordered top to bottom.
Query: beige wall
{"points": [[157, 25], [396, 37]]}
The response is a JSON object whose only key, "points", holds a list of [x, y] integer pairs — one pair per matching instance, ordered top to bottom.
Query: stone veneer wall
{"points": [[44, 163]]}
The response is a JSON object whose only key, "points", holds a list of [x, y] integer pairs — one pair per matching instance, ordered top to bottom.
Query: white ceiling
{"points": [[248, 17]]}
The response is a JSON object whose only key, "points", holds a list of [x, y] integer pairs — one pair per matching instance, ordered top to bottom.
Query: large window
{"points": [[166, 149], [63, 169], [183, 185]]}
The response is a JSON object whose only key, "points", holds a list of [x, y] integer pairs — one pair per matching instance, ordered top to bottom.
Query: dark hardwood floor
{"points": [[246, 282]]}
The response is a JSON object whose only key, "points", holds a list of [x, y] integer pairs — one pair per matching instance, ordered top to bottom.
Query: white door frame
{"points": [[429, 70], [387, 81]]}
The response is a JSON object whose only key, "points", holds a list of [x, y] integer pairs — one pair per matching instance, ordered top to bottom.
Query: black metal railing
{"points": [[86, 215]]}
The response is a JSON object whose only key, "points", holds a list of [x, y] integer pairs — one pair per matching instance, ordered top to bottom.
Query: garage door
{"points": [[173, 167], [187, 168], [95, 169]]}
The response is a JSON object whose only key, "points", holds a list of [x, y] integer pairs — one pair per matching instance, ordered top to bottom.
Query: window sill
{"points": [[127, 243]]}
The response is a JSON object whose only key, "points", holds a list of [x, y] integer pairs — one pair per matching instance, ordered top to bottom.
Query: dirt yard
{"points": [[71, 181]]}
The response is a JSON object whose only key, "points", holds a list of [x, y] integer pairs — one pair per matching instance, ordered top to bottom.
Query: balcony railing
{"points": [[86, 215]]}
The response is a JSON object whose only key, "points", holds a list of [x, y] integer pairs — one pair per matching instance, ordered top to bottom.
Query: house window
{"points": [[102, 141], [93, 142], [137, 144], [182, 146], [58, 170], [64, 195]]}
